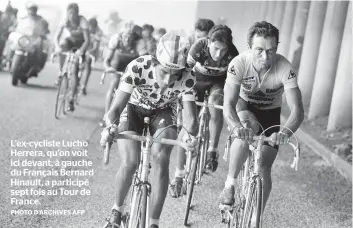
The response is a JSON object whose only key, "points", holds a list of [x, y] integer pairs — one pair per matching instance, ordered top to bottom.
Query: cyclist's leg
{"points": [[87, 74], [268, 118], [130, 123], [215, 126], [238, 153], [160, 162], [177, 182]]}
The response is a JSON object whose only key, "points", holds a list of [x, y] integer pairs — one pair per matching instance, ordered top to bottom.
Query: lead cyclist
{"points": [[77, 28], [256, 80], [149, 88]]}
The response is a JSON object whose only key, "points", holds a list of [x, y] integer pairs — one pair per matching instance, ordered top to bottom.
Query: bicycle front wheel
{"points": [[61, 96], [203, 146], [190, 188], [253, 205], [138, 210]]}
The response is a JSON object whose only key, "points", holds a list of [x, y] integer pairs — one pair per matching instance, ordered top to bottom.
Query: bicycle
{"points": [[64, 86], [195, 167], [249, 195], [138, 213]]}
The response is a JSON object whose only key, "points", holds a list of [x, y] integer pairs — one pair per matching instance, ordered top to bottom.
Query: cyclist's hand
{"points": [[57, 49], [110, 70], [244, 133], [108, 134], [279, 138], [191, 142]]}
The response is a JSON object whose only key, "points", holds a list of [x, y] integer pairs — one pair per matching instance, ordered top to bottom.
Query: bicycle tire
{"points": [[61, 96], [202, 149], [190, 188], [253, 202], [238, 210], [137, 216]]}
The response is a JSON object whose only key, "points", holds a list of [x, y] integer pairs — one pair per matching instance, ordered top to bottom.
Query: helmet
{"points": [[31, 5], [172, 51]]}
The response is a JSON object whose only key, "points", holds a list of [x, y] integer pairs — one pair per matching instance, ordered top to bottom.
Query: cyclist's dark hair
{"points": [[73, 6], [93, 22], [204, 25], [148, 27], [264, 29], [162, 31], [136, 33], [221, 33]]}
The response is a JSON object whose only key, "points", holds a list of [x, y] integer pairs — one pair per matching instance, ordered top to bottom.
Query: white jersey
{"points": [[266, 94]]}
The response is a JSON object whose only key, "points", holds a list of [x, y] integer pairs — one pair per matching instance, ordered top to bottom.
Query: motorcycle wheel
{"points": [[16, 69]]}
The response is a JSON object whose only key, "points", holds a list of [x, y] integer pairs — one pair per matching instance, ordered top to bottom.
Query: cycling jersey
{"points": [[73, 31], [96, 36], [199, 52], [123, 55], [140, 80], [266, 94]]}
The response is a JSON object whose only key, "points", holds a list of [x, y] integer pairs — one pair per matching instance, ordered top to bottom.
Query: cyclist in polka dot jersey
{"points": [[150, 87]]}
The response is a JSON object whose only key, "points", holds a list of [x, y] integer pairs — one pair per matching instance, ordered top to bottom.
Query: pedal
{"points": [[225, 207], [226, 211]]}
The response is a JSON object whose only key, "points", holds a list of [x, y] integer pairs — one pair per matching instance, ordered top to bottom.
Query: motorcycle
{"points": [[29, 56]]}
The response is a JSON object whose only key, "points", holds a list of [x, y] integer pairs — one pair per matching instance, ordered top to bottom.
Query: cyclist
{"points": [[7, 21], [76, 26], [202, 28], [95, 37], [151, 42], [121, 51], [215, 51], [256, 80], [150, 87]]}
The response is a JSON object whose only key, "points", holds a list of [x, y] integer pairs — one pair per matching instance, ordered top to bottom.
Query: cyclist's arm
{"points": [[84, 26], [57, 36], [86, 42], [94, 47], [108, 58], [231, 92], [231, 96], [295, 104], [117, 107]]}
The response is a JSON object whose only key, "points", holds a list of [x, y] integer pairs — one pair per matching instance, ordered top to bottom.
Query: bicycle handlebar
{"points": [[69, 53], [105, 73], [209, 105], [140, 138], [296, 149]]}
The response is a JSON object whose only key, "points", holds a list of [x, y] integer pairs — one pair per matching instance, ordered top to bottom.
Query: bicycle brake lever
{"points": [[295, 163]]}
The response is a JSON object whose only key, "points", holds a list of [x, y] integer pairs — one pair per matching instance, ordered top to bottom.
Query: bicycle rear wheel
{"points": [[61, 96], [190, 188], [253, 206], [137, 216]]}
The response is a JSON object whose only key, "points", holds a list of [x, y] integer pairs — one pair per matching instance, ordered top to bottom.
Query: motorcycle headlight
{"points": [[24, 41]]}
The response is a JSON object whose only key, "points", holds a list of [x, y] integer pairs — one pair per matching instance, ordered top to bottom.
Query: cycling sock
{"points": [[180, 172], [229, 182], [120, 209], [154, 222]]}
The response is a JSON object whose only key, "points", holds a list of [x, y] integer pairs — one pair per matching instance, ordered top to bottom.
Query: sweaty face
{"points": [[200, 34], [217, 50], [263, 51], [167, 76]]}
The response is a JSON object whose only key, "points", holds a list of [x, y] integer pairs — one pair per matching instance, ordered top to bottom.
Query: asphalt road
{"points": [[315, 196]]}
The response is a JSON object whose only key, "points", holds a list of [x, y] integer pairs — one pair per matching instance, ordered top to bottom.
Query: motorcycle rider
{"points": [[34, 25]]}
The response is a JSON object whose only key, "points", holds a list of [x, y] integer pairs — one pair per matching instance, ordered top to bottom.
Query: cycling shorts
{"points": [[131, 119]]}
